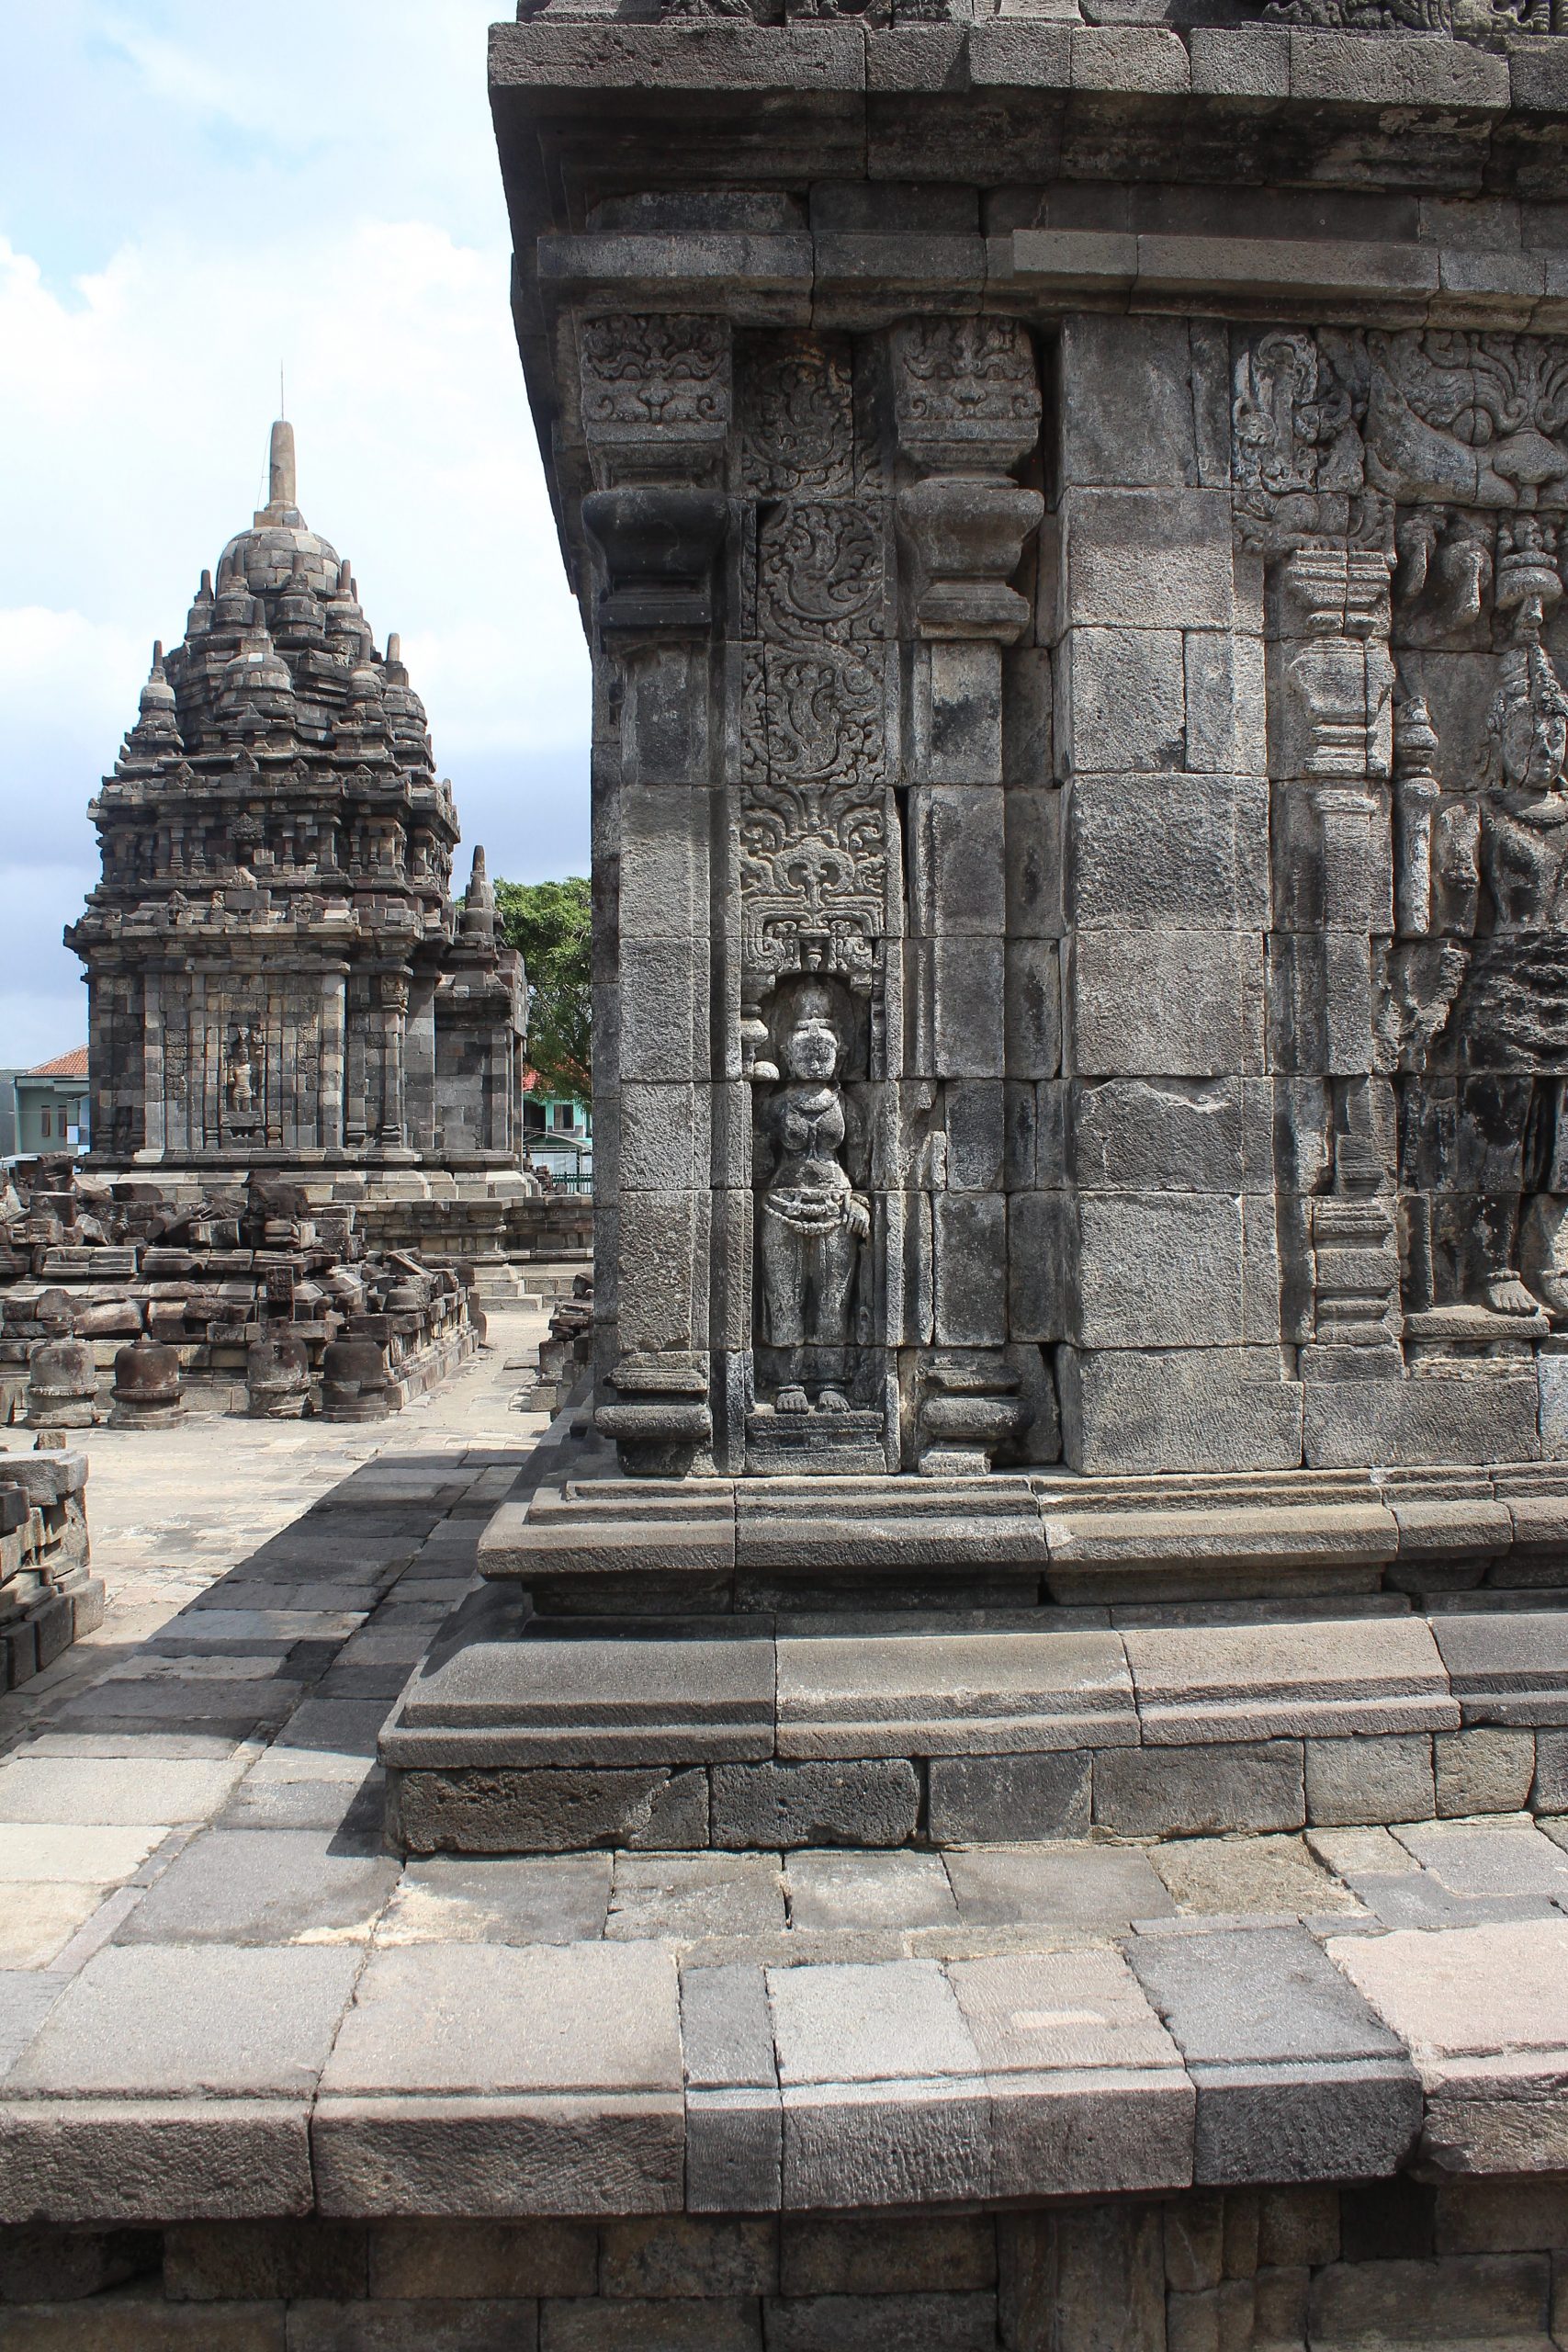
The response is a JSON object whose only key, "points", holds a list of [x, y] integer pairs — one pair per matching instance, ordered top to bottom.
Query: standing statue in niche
{"points": [[1501, 867], [240, 1078], [812, 1221]]}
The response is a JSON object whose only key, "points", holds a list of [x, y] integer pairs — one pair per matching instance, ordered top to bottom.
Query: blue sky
{"points": [[192, 196]]}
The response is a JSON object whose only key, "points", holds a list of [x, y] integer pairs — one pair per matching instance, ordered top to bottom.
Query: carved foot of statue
{"points": [[1552, 1292], [1507, 1295], [791, 1400], [832, 1400]]}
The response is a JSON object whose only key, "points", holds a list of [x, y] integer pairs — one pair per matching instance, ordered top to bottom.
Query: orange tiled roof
{"points": [[70, 1064]]}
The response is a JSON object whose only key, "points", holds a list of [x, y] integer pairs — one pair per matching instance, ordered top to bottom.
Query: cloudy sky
{"points": [[192, 197]]}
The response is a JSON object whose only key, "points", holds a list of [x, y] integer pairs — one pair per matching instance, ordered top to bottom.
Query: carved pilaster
{"points": [[655, 409], [967, 409]]}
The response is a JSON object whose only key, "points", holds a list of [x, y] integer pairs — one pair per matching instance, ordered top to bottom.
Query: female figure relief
{"points": [[1503, 861], [812, 1220]]}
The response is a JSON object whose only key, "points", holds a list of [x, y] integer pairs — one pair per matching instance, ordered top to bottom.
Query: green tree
{"points": [[551, 924]]}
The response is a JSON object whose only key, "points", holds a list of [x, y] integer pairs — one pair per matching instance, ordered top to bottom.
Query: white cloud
{"points": [[171, 70], [320, 192]]}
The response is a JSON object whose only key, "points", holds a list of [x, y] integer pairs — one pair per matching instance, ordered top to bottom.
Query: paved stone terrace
{"points": [[219, 1997]]}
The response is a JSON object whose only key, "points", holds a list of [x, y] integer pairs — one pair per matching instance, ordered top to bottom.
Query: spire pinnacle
{"points": [[282, 485]]}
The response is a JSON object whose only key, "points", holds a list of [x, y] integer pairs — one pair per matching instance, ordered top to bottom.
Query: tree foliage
{"points": [[551, 924]]}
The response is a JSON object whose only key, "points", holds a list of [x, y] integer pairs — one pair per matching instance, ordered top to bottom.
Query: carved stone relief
{"points": [[1410, 489], [818, 868]]}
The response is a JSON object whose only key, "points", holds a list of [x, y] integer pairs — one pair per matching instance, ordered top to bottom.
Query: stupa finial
{"points": [[282, 483]]}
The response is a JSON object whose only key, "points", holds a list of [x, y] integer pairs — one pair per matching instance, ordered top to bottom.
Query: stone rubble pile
{"points": [[111, 1293], [566, 1351], [47, 1595]]}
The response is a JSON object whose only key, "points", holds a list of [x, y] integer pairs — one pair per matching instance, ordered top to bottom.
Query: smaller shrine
{"points": [[277, 974]]}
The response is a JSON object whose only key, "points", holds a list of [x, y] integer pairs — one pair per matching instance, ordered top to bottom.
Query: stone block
{"points": [[1143, 58], [1240, 61], [1414, 70], [1127, 402], [1148, 558], [1123, 703], [1226, 703], [958, 714], [1191, 856], [957, 863], [1033, 874], [1164, 1005], [1032, 1008], [664, 1009], [965, 1016], [976, 1135], [1175, 1135], [663, 1141], [969, 1233], [663, 1239], [1039, 1239], [1159, 1268], [1178, 1409], [1376, 1423], [1506, 1666], [1329, 1679], [868, 1689], [566, 1693], [1483, 1770], [1370, 1780], [110, 1789], [1200, 1792], [1549, 1793], [979, 1800], [854, 1802], [499, 1810], [1503, 1858], [1248, 1875], [1055, 1886], [262, 1887], [896, 1891], [682, 1897], [562, 1900], [1463, 1992], [160, 2019], [489, 2019], [894, 2021], [727, 2028], [1296, 2076], [844, 2142], [734, 2151], [138, 2159], [1501, 2216], [1297, 2227], [667, 2255], [873, 2256], [494, 2260], [262, 2261], [45, 2265], [1108, 2265], [1483, 2297], [141, 2322], [889, 2323], [692, 2324], [468, 2325]]}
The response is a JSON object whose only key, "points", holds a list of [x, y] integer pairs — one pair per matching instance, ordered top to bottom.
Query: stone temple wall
{"points": [[1079, 767], [1478, 2264]]}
